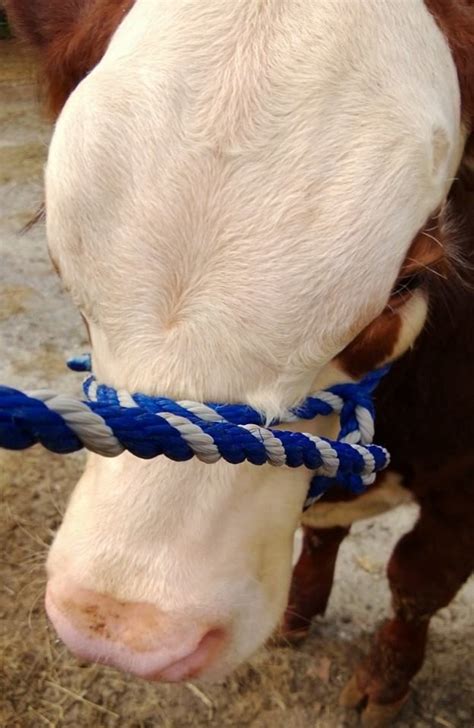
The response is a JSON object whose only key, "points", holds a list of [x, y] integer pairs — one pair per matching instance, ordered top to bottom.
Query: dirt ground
{"points": [[41, 684]]}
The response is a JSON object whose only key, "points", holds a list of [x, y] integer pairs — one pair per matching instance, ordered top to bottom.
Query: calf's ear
{"points": [[39, 21], [70, 37]]}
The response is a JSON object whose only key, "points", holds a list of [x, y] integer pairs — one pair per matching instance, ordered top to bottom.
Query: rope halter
{"points": [[109, 421]]}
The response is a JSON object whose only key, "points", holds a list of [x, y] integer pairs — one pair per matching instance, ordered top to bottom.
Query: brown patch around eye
{"points": [[426, 250], [425, 257], [376, 343], [373, 346]]}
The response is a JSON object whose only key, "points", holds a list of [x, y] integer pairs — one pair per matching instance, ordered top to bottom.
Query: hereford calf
{"points": [[248, 201]]}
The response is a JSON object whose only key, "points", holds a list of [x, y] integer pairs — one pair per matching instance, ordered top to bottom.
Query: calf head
{"points": [[233, 193]]}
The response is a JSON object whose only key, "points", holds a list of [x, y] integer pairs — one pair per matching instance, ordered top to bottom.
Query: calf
{"points": [[248, 201]]}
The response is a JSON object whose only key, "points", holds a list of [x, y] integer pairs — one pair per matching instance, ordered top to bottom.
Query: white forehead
{"points": [[249, 174]]}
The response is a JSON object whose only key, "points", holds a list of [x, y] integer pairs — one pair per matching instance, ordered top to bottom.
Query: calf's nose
{"points": [[135, 637]]}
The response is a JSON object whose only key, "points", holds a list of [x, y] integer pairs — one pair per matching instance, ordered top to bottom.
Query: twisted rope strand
{"points": [[111, 421], [64, 424]]}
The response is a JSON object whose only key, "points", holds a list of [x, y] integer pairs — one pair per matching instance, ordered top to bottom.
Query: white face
{"points": [[229, 209]]}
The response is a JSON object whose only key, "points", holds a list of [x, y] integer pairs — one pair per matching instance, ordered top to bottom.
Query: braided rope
{"points": [[110, 421]]}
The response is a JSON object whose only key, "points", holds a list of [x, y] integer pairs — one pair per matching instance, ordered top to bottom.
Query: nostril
{"points": [[203, 656]]}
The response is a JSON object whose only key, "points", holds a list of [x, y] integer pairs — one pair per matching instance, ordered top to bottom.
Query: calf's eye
{"points": [[407, 284]]}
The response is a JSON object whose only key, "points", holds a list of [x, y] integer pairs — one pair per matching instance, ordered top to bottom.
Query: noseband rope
{"points": [[110, 421]]}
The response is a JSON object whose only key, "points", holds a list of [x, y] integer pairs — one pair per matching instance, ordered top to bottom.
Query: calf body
{"points": [[242, 198], [426, 410]]}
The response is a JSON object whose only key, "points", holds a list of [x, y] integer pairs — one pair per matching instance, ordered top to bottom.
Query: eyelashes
{"points": [[408, 283]]}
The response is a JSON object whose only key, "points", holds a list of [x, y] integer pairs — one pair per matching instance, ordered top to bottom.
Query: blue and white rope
{"points": [[110, 421]]}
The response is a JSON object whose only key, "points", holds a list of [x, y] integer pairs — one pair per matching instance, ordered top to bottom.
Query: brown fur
{"points": [[456, 21], [70, 36], [432, 255], [372, 346], [432, 382], [425, 404], [425, 417], [312, 579]]}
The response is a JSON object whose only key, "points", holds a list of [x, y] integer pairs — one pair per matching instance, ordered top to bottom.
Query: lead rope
{"points": [[110, 421]]}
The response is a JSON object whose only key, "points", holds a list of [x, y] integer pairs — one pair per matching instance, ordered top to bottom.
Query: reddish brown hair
{"points": [[456, 21], [71, 36]]}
